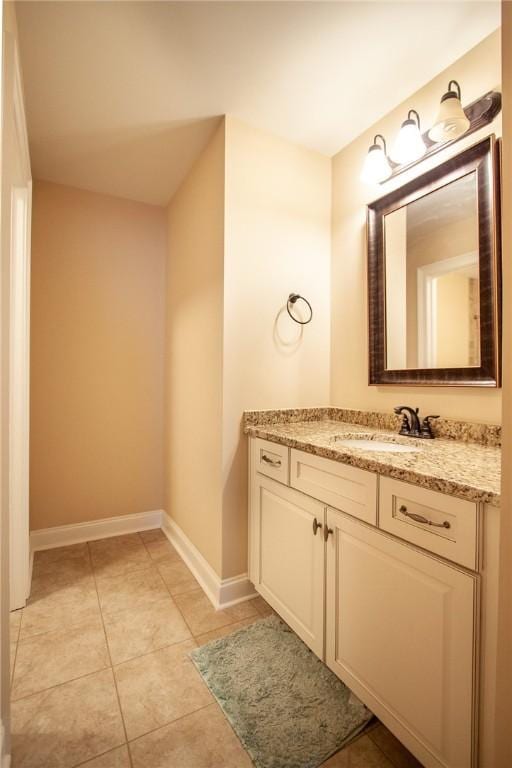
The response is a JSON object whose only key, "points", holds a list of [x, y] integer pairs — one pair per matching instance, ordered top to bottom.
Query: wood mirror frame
{"points": [[483, 159]]}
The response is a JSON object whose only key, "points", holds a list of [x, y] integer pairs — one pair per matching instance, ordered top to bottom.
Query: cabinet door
{"points": [[288, 557], [401, 633]]}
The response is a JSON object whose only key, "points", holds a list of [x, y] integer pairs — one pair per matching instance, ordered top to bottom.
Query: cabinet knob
{"points": [[316, 525], [327, 531]]}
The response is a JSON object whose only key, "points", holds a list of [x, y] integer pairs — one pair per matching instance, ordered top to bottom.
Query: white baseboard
{"points": [[64, 535], [235, 590], [221, 592]]}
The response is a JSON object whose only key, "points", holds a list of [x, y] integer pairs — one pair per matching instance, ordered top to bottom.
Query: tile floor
{"points": [[100, 670]]}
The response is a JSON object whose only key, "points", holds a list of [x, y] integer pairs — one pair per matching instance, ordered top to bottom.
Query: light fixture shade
{"points": [[451, 121], [409, 145], [376, 167]]}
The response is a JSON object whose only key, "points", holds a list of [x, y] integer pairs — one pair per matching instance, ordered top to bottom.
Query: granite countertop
{"points": [[468, 470]]}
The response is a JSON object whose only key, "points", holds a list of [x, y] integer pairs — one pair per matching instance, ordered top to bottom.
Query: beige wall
{"points": [[478, 71], [249, 225], [277, 242], [97, 326], [193, 414], [504, 670]]}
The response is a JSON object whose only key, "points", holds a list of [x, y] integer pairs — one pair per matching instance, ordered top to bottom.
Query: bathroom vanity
{"points": [[384, 563]]}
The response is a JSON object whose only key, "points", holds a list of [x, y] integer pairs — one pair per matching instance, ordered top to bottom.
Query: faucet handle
{"points": [[426, 426]]}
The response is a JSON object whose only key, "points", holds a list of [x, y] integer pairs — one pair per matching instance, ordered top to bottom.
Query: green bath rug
{"points": [[287, 708]]}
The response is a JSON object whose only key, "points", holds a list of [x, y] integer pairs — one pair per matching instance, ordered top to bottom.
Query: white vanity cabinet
{"points": [[287, 556], [374, 593], [400, 632]]}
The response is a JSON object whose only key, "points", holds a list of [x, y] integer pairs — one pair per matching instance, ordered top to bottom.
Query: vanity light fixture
{"points": [[451, 121], [409, 145], [376, 167]]}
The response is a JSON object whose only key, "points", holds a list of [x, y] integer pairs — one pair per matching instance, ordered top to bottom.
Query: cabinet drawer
{"points": [[270, 459], [346, 488], [432, 520]]}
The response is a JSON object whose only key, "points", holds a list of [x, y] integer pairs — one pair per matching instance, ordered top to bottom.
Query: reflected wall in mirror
{"points": [[434, 276], [432, 280]]}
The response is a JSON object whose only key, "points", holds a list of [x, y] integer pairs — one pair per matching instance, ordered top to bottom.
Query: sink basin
{"points": [[370, 442], [377, 445]]}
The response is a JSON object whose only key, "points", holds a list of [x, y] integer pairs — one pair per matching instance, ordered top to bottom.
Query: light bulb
{"points": [[451, 121], [409, 145], [376, 167]]}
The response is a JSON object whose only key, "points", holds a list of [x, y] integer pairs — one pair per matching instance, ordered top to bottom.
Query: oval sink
{"points": [[364, 441], [376, 445]]}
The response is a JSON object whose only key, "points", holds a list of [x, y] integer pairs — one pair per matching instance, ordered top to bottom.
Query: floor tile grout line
{"points": [[153, 561], [137, 569], [67, 583], [167, 587], [196, 589], [200, 589], [165, 598], [21, 621], [19, 628], [63, 630], [17, 641], [176, 642], [153, 650], [110, 657], [118, 664], [113, 666], [11, 676], [56, 685], [59, 685], [212, 703], [164, 725], [102, 754]]}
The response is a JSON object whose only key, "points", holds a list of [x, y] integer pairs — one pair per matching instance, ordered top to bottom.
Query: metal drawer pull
{"points": [[272, 462], [421, 519], [316, 525], [327, 531]]}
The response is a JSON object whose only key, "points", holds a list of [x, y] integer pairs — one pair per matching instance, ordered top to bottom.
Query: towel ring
{"points": [[292, 299]]}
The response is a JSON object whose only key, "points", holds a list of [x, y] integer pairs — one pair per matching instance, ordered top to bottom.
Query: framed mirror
{"points": [[434, 289]]}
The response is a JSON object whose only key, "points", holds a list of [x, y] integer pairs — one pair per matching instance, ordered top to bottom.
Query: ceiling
{"points": [[122, 96], [447, 206]]}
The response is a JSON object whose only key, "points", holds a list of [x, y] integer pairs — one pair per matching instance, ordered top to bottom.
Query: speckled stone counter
{"points": [[467, 468]]}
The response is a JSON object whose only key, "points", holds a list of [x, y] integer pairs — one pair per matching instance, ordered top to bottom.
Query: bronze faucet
{"points": [[411, 426]]}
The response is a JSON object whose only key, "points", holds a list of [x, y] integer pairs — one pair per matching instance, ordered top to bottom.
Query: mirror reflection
{"points": [[432, 280]]}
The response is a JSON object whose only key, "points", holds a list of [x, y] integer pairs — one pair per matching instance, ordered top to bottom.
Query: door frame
{"points": [[427, 303], [19, 352]]}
